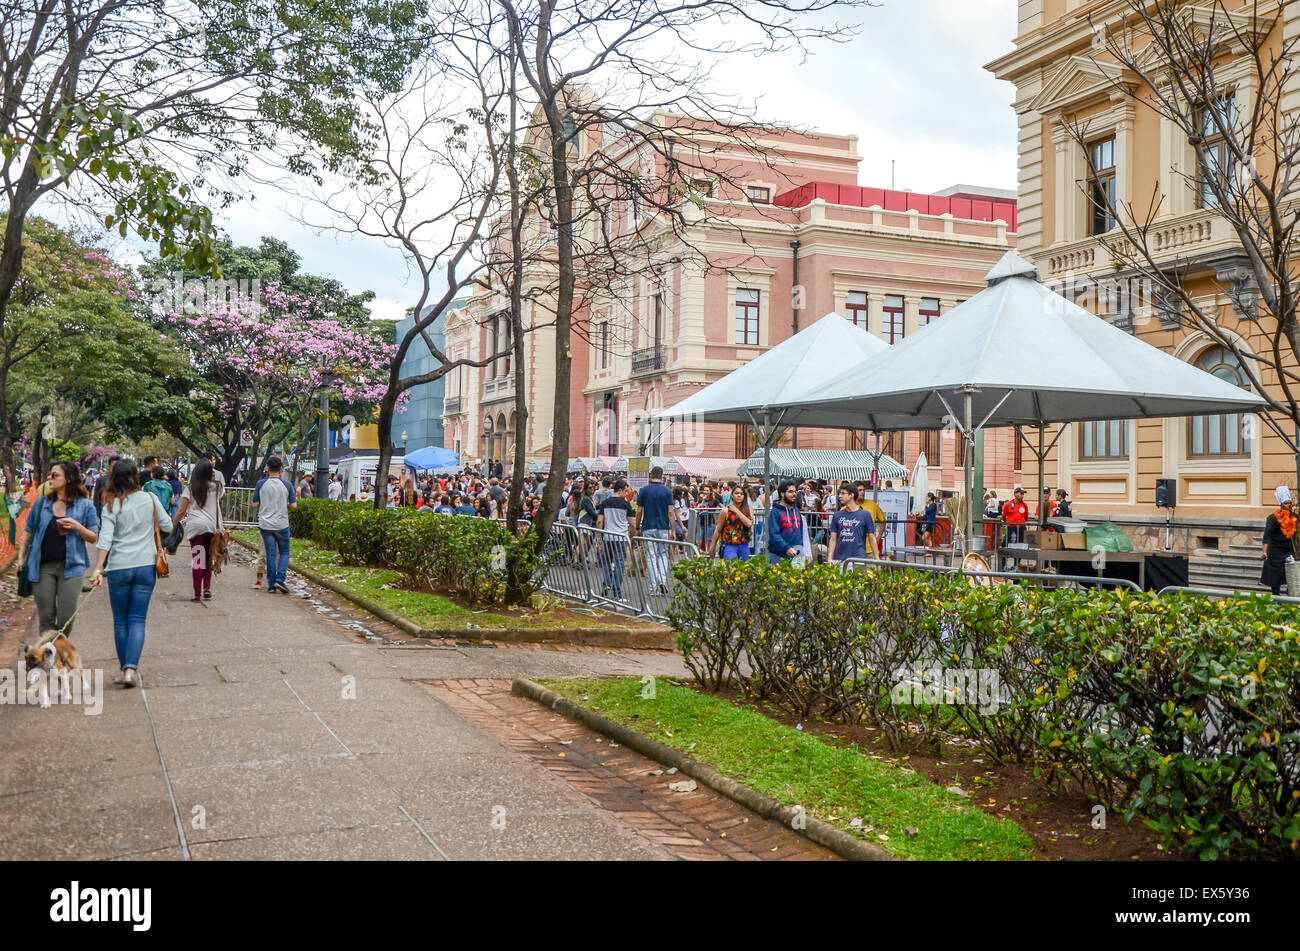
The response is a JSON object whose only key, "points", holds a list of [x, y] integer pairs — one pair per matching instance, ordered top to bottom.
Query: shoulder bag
{"points": [[219, 546], [160, 556], [24, 583]]}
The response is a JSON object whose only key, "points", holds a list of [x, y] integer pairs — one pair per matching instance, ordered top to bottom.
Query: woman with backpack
{"points": [[200, 512], [128, 553]]}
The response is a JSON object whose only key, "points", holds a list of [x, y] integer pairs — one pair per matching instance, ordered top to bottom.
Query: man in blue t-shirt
{"points": [[652, 505], [461, 507], [851, 529]]}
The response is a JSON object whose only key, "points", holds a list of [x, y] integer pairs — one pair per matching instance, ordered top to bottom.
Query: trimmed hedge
{"points": [[469, 556], [1179, 709]]}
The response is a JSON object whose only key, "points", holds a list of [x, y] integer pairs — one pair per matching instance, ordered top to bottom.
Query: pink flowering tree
{"points": [[72, 325], [264, 363]]}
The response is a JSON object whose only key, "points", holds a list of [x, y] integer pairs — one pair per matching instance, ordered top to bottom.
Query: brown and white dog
{"points": [[54, 654]]}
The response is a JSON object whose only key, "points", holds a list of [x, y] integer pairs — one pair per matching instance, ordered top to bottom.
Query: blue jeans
{"points": [[736, 551], [277, 556], [614, 557], [656, 557], [129, 591]]}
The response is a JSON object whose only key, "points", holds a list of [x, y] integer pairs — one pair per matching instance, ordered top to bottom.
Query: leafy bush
{"points": [[470, 556], [1179, 709]]}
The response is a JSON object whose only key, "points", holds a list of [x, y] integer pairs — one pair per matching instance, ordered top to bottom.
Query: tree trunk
{"points": [[515, 587]]}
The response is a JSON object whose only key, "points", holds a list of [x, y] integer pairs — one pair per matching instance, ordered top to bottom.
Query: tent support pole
{"points": [[969, 475], [1043, 510]]}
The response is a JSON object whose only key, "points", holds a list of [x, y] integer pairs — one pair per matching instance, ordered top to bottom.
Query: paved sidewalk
{"points": [[271, 727]]}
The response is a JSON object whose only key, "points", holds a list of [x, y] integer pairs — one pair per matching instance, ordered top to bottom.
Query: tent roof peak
{"points": [[1010, 265]]}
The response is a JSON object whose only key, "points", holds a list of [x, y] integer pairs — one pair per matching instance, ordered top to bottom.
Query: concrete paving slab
{"points": [[221, 700], [216, 741], [287, 796], [94, 820], [400, 841]]}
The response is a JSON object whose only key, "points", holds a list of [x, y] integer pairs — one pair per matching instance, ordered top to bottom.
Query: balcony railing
{"points": [[1174, 236], [648, 360], [451, 404]]}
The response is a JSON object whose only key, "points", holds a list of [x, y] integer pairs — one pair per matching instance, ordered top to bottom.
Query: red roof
{"points": [[969, 208]]}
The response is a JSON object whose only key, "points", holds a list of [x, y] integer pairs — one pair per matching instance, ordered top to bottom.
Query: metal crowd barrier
{"points": [[237, 508], [611, 570], [1044, 580], [1229, 593]]}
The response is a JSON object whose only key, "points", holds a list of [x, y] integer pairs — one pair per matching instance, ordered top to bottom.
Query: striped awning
{"points": [[823, 464]]}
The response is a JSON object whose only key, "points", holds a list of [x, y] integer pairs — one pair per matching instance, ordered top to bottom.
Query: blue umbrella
{"points": [[431, 457]]}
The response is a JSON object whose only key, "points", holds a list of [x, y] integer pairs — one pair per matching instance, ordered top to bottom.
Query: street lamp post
{"points": [[323, 444]]}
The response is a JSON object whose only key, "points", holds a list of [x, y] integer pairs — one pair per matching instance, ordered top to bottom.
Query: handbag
{"points": [[219, 546], [160, 558], [24, 583]]}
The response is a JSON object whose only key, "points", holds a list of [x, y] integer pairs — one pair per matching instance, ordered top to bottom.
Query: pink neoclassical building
{"points": [[779, 238]]}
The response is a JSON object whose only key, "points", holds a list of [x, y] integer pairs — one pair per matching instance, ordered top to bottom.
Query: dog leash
{"points": [[63, 631]]}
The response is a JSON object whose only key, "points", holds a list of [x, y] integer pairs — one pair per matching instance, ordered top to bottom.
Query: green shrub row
{"points": [[469, 556], [1178, 709]]}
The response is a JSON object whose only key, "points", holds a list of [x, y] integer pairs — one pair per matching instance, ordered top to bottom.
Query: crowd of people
{"points": [[118, 526]]}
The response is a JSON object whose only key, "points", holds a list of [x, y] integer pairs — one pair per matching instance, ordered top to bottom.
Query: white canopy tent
{"points": [[1017, 354], [760, 393]]}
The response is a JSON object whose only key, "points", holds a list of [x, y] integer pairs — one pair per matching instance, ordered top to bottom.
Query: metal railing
{"points": [[648, 359], [237, 508], [609, 569], [1036, 578], [1228, 593]]}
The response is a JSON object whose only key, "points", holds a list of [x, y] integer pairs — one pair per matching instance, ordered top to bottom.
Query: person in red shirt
{"points": [[1016, 513]]}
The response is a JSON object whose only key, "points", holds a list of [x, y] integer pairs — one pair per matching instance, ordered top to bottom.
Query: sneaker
{"points": [[282, 587], [207, 595], [129, 678]]}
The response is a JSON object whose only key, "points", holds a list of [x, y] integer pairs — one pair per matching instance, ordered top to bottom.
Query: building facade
{"points": [[767, 248], [421, 418], [1225, 467]]}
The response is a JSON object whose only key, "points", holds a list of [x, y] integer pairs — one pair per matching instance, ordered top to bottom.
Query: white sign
{"points": [[246, 438], [638, 472], [893, 502]]}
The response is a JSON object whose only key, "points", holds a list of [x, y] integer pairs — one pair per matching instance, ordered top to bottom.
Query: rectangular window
{"points": [[1218, 163], [1101, 186], [702, 187], [759, 194], [856, 305], [929, 311], [747, 316], [658, 319], [892, 331], [604, 345], [1219, 435], [1103, 439], [855, 440], [932, 445], [1018, 457]]}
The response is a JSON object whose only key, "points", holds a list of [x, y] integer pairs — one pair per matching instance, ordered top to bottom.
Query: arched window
{"points": [[1223, 433]]}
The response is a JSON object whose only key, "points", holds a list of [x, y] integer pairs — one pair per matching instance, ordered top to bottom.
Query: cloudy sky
{"points": [[911, 85]]}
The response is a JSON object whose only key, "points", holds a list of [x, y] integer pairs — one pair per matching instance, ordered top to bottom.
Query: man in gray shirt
{"points": [[273, 498]]}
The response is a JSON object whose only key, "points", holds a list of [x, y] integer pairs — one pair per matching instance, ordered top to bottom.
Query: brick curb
{"points": [[589, 637], [824, 834]]}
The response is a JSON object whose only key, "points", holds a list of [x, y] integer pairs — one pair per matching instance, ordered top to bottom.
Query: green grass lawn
{"points": [[382, 586], [834, 784]]}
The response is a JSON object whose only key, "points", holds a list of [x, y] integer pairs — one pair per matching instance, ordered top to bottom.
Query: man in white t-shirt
{"points": [[273, 498]]}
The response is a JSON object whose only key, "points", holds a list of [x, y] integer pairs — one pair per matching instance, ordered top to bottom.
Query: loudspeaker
{"points": [[1166, 493]]}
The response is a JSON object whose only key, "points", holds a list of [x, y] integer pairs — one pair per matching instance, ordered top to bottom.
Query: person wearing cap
{"points": [[1045, 507], [1016, 513], [1279, 538]]}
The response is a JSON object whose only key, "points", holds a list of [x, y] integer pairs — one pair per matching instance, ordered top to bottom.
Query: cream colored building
{"points": [[1226, 467]]}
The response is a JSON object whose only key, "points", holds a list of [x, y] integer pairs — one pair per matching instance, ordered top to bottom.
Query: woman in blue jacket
{"points": [[59, 526]]}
